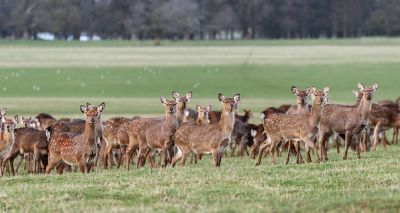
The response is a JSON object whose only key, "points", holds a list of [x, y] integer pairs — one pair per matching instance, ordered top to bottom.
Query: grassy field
{"points": [[56, 77]]}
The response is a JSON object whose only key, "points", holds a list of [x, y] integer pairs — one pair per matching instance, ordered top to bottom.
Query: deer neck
{"points": [[302, 107], [364, 108], [180, 114], [315, 114], [246, 117], [202, 121], [227, 121], [396, 121], [170, 123], [89, 135]]}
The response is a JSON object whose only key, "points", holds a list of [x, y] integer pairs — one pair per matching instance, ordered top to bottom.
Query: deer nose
{"points": [[93, 120]]}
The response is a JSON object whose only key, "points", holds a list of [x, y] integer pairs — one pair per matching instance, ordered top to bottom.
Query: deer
{"points": [[301, 100], [181, 106], [395, 109], [345, 119], [380, 119], [45, 120], [201, 120], [295, 127], [115, 136], [158, 136], [259, 137], [212, 138], [7, 140], [28, 141], [76, 149]]}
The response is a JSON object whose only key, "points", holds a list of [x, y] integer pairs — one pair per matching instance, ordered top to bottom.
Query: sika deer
{"points": [[301, 97], [181, 106], [202, 119], [344, 119], [45, 120], [295, 127], [159, 135], [115, 136], [213, 138], [7, 139], [28, 141], [78, 149]]}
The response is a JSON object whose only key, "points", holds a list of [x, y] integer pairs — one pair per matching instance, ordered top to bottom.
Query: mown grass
{"points": [[56, 77], [367, 185]]}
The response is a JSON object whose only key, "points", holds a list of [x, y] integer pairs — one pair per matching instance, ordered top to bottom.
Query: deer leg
{"points": [[376, 135], [396, 137], [322, 139], [347, 141], [385, 141], [337, 142], [310, 143], [233, 148], [261, 151], [214, 153], [272, 153], [288, 154], [184, 156], [177, 157], [121, 158], [299, 159], [53, 161], [19, 164], [81, 166], [60, 168]]}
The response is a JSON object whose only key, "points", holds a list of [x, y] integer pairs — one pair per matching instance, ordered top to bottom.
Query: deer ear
{"points": [[360, 86], [375, 86], [294, 89], [311, 90], [326, 90], [355, 93], [175, 94], [188, 96], [221, 97], [236, 97], [163, 100], [101, 107], [197, 107], [83, 108], [208, 108], [3, 112], [262, 116], [3, 119], [16, 119]]}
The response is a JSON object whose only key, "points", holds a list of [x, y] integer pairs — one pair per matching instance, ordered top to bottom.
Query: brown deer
{"points": [[301, 100], [181, 106], [284, 107], [395, 109], [202, 119], [344, 119], [380, 119], [45, 120], [295, 127], [115, 136], [158, 136], [259, 137], [212, 138], [7, 140], [28, 141], [77, 149]]}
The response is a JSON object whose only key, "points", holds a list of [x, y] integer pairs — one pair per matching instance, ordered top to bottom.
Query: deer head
{"points": [[367, 91], [301, 95], [318, 97], [182, 99], [229, 104], [170, 105], [203, 111], [92, 113], [9, 124]]}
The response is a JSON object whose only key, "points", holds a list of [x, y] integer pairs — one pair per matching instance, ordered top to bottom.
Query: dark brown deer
{"points": [[344, 119], [45, 120], [294, 127], [158, 136], [259, 137], [213, 138], [76, 149]]}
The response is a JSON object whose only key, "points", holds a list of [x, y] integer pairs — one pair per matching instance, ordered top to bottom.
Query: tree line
{"points": [[199, 19]]}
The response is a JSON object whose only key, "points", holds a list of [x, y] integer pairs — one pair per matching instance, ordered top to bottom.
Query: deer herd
{"points": [[44, 143]]}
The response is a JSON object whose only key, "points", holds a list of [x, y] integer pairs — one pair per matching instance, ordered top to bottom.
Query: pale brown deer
{"points": [[182, 104], [395, 109], [202, 119], [344, 119], [295, 127], [158, 136], [213, 138], [7, 140], [76, 149]]}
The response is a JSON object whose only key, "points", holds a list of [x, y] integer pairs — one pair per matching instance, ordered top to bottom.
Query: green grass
{"points": [[57, 77], [367, 185]]}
